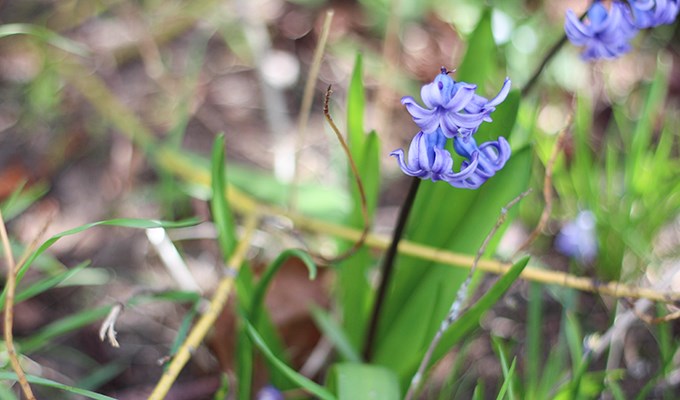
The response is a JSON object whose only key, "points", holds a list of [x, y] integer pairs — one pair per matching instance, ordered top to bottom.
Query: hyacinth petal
{"points": [[577, 32], [464, 94], [502, 94], [431, 95], [427, 120], [466, 121], [443, 162], [418, 172]]}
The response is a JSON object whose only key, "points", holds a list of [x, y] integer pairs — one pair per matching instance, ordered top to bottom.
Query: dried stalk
{"points": [[9, 312]]}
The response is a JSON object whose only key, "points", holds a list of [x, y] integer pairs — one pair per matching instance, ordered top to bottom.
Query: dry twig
{"points": [[9, 312]]}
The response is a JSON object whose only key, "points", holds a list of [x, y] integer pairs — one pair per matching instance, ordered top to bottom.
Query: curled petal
{"points": [[464, 93], [500, 97], [427, 120], [492, 156], [407, 169]]}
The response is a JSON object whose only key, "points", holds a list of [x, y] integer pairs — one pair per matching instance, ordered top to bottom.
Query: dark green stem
{"points": [[556, 47], [551, 53], [388, 268]]}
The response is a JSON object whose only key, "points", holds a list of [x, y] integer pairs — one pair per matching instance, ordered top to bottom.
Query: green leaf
{"points": [[45, 35], [480, 63], [21, 198], [468, 216], [224, 220], [121, 222], [272, 269], [44, 285], [354, 289], [470, 319], [61, 327], [334, 333], [245, 362], [508, 372], [508, 375], [302, 381], [351, 381], [50, 383]]}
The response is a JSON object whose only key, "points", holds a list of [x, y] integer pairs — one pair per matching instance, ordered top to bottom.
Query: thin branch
{"points": [[551, 53], [357, 178], [547, 189], [388, 268], [461, 296], [9, 312], [197, 334]]}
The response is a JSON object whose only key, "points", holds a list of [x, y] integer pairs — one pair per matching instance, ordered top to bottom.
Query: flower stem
{"points": [[556, 47], [551, 53], [388, 268]]}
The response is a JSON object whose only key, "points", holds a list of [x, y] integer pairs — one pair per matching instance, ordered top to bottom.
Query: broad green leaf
{"points": [[480, 63], [222, 216], [122, 222], [415, 279], [36, 380], [302, 381], [351, 381]]}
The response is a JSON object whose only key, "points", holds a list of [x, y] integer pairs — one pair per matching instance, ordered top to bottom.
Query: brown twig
{"points": [[357, 178], [547, 189], [9, 312]]}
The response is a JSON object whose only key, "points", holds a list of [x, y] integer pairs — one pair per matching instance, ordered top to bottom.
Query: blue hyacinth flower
{"points": [[651, 13], [605, 35], [452, 106], [429, 159]]}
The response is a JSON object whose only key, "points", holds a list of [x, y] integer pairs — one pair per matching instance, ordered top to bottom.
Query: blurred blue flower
{"points": [[651, 13], [606, 34], [452, 106], [577, 238], [269, 393]]}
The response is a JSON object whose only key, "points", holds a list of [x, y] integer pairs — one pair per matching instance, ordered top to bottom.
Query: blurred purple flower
{"points": [[651, 13], [606, 33], [452, 106], [577, 238], [269, 393]]}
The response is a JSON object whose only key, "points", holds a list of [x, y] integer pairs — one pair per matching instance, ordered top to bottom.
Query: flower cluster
{"points": [[607, 33], [453, 111]]}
